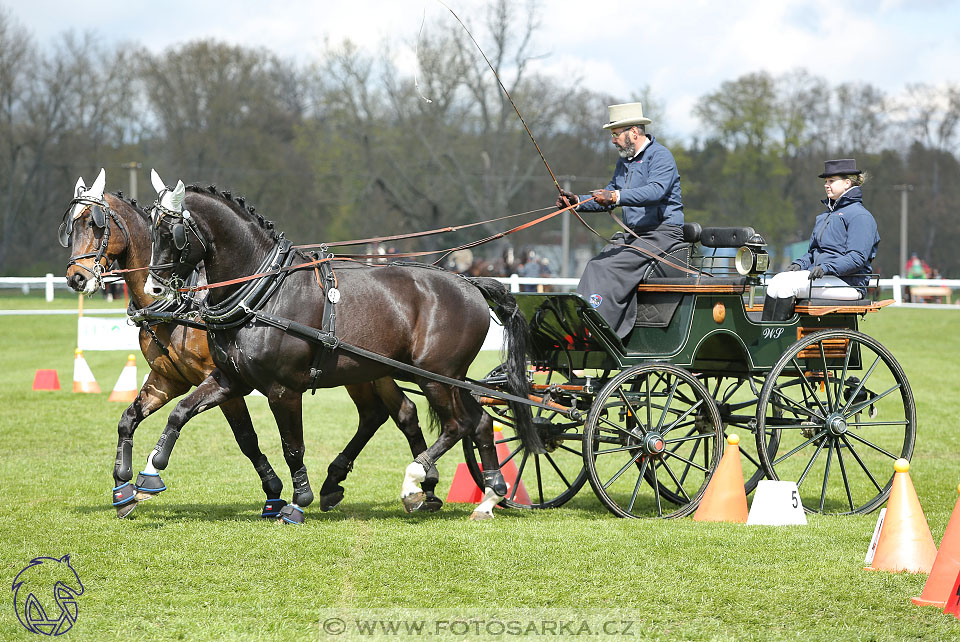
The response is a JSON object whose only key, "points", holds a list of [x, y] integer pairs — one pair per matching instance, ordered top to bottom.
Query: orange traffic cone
{"points": [[46, 380], [83, 380], [125, 389], [464, 490], [725, 499], [905, 542], [946, 567]]}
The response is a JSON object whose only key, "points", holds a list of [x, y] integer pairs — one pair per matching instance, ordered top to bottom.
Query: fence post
{"points": [[514, 282], [49, 288], [897, 296]]}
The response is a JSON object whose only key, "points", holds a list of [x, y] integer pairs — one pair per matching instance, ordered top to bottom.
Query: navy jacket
{"points": [[649, 189], [844, 240]]}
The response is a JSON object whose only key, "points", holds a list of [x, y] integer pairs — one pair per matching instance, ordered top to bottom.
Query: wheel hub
{"points": [[836, 424], [653, 443]]}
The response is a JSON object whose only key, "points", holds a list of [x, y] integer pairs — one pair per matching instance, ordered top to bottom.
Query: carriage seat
{"points": [[678, 253]]}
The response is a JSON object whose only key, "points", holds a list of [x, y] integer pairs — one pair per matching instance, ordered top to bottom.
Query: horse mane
{"points": [[132, 202], [239, 205]]}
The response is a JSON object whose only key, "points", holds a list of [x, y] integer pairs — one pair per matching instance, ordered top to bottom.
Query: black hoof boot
{"points": [[149, 485], [124, 499], [431, 503], [272, 508], [291, 514]]}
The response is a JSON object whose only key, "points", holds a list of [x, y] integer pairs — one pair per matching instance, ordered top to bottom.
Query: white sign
{"points": [[103, 333], [776, 503], [868, 560]]}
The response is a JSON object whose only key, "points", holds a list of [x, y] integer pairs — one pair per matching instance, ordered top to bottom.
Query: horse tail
{"points": [[514, 353]]}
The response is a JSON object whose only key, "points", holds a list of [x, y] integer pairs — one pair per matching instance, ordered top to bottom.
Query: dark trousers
{"points": [[609, 281]]}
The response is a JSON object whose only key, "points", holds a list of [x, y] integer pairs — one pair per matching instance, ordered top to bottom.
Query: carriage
{"points": [[644, 419]]}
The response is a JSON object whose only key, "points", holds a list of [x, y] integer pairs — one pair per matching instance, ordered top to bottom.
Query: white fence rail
{"points": [[923, 289]]}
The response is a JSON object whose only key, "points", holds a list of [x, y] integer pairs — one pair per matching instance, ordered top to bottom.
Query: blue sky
{"points": [[681, 49]]}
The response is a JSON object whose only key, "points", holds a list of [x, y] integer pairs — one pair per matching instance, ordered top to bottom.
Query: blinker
{"points": [[99, 217], [179, 236]]}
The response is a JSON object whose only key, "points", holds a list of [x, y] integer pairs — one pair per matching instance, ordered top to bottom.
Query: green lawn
{"points": [[197, 563]]}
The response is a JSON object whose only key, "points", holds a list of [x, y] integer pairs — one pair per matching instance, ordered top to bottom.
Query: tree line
{"points": [[350, 146]]}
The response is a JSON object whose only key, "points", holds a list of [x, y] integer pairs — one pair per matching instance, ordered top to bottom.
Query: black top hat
{"points": [[841, 167]]}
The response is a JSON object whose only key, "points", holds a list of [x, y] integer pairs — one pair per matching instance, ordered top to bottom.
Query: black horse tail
{"points": [[515, 354]]}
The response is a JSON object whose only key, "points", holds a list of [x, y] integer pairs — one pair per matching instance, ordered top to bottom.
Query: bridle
{"points": [[99, 211], [181, 227]]}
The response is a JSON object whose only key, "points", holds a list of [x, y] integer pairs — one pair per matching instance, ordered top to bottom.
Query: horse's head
{"points": [[85, 229], [178, 245]]}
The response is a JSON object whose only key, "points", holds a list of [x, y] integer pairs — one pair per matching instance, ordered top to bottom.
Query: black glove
{"points": [[572, 199], [793, 267], [816, 272]]}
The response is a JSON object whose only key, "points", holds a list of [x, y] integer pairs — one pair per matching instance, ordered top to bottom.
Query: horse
{"points": [[102, 228], [409, 321]]}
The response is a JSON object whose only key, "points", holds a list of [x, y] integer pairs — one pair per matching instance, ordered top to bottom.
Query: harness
{"points": [[99, 211], [183, 223]]}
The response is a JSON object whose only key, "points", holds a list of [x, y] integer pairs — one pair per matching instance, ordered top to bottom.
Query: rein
{"points": [[106, 214]]}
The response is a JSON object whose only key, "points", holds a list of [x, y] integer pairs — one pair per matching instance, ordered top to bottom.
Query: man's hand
{"points": [[604, 197], [571, 199], [793, 267], [816, 272]]}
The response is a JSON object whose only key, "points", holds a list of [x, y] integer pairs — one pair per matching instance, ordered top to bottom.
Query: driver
{"points": [[646, 184]]}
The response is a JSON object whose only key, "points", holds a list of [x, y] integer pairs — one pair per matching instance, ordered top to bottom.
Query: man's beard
{"points": [[628, 150]]}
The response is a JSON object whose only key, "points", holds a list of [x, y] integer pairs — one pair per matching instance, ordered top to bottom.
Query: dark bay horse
{"points": [[103, 228], [415, 315]]}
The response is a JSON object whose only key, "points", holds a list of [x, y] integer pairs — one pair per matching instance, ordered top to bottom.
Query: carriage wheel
{"points": [[736, 399], [847, 413], [653, 433], [550, 479]]}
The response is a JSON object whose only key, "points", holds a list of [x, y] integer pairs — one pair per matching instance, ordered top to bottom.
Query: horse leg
{"points": [[157, 390], [212, 391], [287, 407], [235, 410], [373, 413], [404, 414], [455, 422], [495, 487]]}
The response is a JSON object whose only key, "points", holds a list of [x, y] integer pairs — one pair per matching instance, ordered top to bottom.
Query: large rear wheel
{"points": [[841, 410]]}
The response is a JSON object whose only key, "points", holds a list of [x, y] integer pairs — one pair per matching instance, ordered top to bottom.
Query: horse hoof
{"points": [[143, 496], [331, 501], [413, 502], [431, 504], [125, 510], [291, 515], [478, 515]]}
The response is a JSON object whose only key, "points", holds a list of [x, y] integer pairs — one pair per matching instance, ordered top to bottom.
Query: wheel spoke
{"points": [[843, 375], [860, 385], [827, 386], [809, 388], [871, 401], [666, 404], [796, 407], [676, 424], [861, 424], [873, 445], [800, 447], [578, 453], [856, 456], [687, 461], [626, 466], [557, 468], [806, 470], [826, 472], [843, 473], [675, 480], [516, 485], [636, 488], [656, 491]]}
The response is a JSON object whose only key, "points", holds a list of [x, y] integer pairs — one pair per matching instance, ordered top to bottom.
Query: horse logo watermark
{"points": [[32, 587]]}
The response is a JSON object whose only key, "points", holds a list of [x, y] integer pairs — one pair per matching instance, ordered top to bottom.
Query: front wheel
{"points": [[841, 411], [653, 434]]}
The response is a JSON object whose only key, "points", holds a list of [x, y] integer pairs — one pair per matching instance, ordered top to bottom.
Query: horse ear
{"points": [[156, 181], [80, 187], [96, 189], [178, 193]]}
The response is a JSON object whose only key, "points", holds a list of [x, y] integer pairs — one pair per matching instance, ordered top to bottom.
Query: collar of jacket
{"points": [[852, 195]]}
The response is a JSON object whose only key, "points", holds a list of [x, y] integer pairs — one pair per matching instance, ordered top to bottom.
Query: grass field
{"points": [[197, 563]]}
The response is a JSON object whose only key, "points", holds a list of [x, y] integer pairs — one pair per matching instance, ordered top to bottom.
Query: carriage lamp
{"points": [[752, 259]]}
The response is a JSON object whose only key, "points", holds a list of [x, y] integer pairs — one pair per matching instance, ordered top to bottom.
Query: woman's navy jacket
{"points": [[844, 240]]}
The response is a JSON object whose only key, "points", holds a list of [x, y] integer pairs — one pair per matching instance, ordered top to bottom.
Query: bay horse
{"points": [[102, 228], [259, 332]]}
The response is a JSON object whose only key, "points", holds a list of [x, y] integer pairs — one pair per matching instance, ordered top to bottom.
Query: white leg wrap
{"points": [[149, 467], [412, 478], [490, 499]]}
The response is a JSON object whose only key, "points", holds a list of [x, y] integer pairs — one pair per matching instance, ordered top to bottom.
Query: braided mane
{"points": [[239, 205]]}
